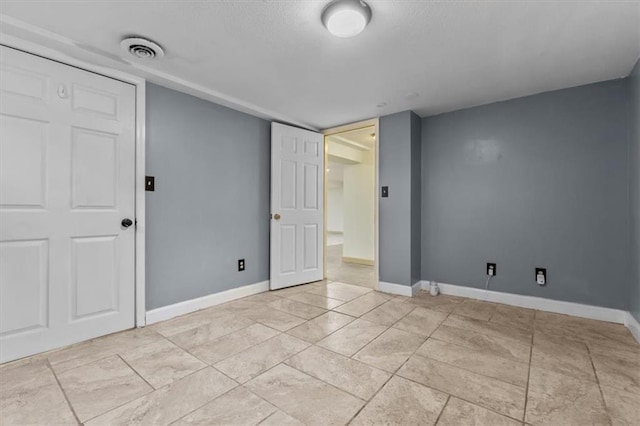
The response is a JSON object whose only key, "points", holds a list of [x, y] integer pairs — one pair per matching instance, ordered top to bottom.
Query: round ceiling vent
{"points": [[142, 48]]}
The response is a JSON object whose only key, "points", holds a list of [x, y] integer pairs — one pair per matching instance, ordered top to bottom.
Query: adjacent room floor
{"points": [[345, 272], [336, 354]]}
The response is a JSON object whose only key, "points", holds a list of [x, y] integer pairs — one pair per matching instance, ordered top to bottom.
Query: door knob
{"points": [[276, 216], [126, 222]]}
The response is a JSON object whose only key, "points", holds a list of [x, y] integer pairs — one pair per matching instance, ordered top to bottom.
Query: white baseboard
{"points": [[400, 289], [532, 302], [188, 306], [633, 325]]}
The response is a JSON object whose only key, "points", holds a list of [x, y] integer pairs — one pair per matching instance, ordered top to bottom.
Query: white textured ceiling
{"points": [[276, 60]]}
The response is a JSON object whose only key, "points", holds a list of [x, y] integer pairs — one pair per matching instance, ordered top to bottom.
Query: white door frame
{"points": [[140, 85], [345, 128]]}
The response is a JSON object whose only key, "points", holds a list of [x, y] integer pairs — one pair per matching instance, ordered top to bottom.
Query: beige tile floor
{"points": [[334, 353]]}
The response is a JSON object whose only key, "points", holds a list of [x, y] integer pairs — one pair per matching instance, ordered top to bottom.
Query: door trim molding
{"points": [[140, 132], [141, 210], [376, 223], [532, 302], [182, 308]]}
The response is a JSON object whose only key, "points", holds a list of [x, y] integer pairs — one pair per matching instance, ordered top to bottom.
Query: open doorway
{"points": [[351, 204]]}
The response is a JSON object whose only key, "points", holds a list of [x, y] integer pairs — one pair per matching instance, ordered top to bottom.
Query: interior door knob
{"points": [[276, 216], [126, 222]]}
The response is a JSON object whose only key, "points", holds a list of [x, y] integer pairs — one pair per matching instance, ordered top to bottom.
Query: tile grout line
{"points": [[370, 290], [319, 295], [361, 315], [298, 316], [395, 322], [389, 327], [334, 331], [278, 332], [409, 332], [484, 334], [169, 338], [95, 340], [366, 344], [469, 347], [245, 350], [106, 355], [283, 362], [270, 368], [466, 369], [221, 372], [302, 372], [595, 372], [137, 373], [393, 374], [325, 382], [331, 384], [238, 385], [442, 391], [526, 392], [64, 393], [143, 396], [258, 396], [366, 403], [477, 404], [442, 410], [272, 414]]}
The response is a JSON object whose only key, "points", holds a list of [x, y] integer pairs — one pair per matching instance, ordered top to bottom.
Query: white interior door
{"points": [[67, 158], [297, 199]]}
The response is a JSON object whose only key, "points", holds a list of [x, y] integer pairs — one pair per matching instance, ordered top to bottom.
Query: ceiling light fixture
{"points": [[346, 18]]}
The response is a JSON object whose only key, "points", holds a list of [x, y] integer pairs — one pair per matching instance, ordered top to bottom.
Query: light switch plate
{"points": [[149, 183]]}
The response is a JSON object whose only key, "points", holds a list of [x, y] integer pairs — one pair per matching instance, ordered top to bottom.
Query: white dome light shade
{"points": [[346, 18], [346, 23]]}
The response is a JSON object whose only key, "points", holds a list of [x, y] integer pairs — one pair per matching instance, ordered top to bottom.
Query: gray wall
{"points": [[399, 150], [535, 181], [634, 190], [211, 203]]}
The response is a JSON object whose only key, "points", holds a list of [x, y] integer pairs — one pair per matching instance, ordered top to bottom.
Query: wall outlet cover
{"points": [[240, 265], [491, 267], [541, 276]]}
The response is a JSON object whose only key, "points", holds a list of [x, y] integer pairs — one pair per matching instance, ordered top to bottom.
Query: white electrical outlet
{"points": [[491, 269], [541, 276]]}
